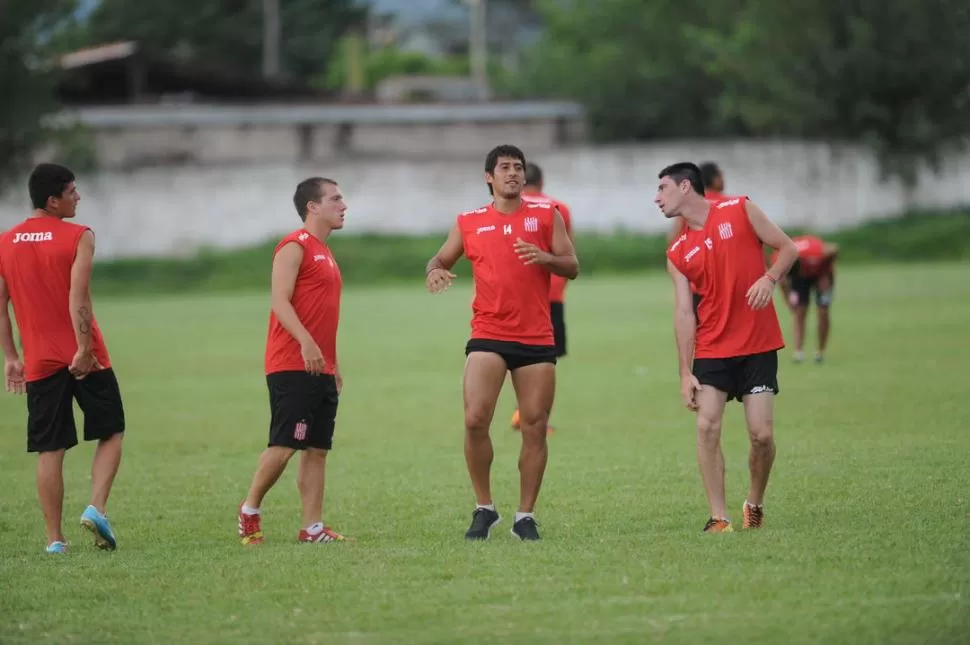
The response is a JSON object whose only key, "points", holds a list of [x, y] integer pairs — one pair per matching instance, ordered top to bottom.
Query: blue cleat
{"points": [[94, 521], [57, 547]]}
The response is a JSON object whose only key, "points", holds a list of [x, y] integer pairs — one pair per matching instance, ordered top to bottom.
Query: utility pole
{"points": [[271, 38], [478, 47]]}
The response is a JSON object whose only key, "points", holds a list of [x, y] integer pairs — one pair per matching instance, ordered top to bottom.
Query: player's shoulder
{"points": [[731, 203], [481, 210], [299, 236], [678, 241]]}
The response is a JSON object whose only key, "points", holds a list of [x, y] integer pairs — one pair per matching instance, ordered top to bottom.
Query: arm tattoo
{"points": [[85, 315]]}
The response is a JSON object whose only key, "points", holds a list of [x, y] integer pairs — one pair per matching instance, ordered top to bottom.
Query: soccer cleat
{"points": [[798, 357], [819, 358], [754, 516], [94, 521], [483, 521], [718, 525], [249, 528], [526, 529], [324, 534], [57, 547]]}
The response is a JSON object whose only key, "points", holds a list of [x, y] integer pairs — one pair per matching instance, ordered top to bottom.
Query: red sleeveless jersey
{"points": [[36, 257], [722, 261], [557, 283], [511, 298], [316, 300]]}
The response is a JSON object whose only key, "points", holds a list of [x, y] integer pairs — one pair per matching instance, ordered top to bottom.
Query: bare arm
{"points": [[769, 233], [830, 250], [448, 254], [563, 261], [286, 266], [79, 300], [685, 323], [6, 327]]}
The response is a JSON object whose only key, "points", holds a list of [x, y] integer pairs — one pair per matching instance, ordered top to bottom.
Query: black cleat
{"points": [[483, 521], [526, 529]]}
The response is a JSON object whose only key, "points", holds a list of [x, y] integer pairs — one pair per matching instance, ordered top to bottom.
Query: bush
{"points": [[373, 259]]}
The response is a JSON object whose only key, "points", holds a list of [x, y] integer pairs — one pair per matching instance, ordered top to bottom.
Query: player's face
{"points": [[508, 179], [670, 196], [65, 206], [331, 207]]}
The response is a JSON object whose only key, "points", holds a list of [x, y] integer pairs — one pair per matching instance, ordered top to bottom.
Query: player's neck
{"points": [[507, 206], [40, 212], [695, 213], [318, 229]]}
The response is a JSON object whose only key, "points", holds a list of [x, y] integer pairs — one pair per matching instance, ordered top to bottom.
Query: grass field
{"points": [[867, 510]]}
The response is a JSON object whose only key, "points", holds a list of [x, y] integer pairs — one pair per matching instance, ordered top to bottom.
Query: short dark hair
{"points": [[504, 150], [684, 170], [709, 172], [533, 174], [47, 180], [309, 190]]}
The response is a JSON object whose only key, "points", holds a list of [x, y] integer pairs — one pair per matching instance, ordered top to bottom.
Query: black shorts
{"points": [[802, 288], [558, 315], [514, 354], [740, 375], [50, 409], [303, 409]]}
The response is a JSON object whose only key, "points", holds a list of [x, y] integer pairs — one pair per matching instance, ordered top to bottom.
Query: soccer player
{"points": [[533, 193], [513, 247], [45, 271], [813, 271], [729, 349], [302, 372]]}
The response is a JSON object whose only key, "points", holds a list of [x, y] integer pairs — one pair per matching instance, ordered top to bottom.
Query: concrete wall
{"points": [[177, 209]]}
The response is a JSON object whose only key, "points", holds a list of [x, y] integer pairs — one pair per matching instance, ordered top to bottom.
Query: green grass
{"points": [[373, 259], [866, 539]]}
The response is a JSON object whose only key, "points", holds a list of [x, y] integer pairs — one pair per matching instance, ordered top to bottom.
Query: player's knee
{"points": [[477, 420], [534, 421], [708, 428], [761, 434]]}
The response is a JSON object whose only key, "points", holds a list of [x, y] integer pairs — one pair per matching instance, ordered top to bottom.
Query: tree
{"points": [[26, 28], [228, 33], [632, 64], [894, 74]]}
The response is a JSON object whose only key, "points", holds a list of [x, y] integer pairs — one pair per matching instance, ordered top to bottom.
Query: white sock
{"points": [[747, 503], [490, 507], [249, 511], [519, 515], [315, 528]]}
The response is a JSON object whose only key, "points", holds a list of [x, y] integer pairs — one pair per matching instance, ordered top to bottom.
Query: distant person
{"points": [[713, 179], [533, 192], [513, 247], [45, 271], [814, 271], [727, 344], [302, 372]]}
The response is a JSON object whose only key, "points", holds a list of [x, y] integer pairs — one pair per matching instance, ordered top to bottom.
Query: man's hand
{"points": [[530, 253], [439, 280], [759, 295], [312, 357], [83, 364], [13, 373], [339, 380], [689, 386]]}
